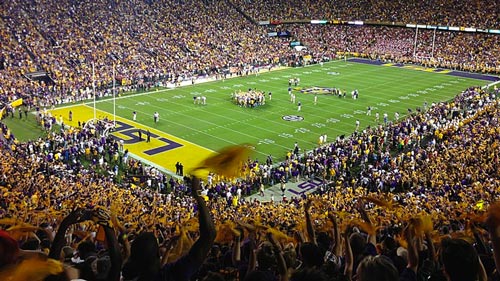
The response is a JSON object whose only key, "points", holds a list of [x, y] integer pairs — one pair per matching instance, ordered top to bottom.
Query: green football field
{"points": [[220, 122], [273, 128]]}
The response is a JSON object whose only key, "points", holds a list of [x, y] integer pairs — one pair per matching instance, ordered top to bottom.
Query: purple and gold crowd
{"points": [[480, 14], [151, 43], [399, 197]]}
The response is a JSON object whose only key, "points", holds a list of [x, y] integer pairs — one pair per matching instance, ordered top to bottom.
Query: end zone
{"points": [[164, 150]]}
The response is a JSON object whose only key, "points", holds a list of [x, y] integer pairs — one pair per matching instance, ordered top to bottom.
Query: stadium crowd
{"points": [[480, 14], [189, 39], [66, 45], [432, 176], [408, 200]]}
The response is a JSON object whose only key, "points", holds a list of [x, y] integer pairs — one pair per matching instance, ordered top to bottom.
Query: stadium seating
{"points": [[434, 12], [66, 44]]}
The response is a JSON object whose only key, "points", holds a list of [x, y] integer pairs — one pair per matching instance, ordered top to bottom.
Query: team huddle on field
{"points": [[250, 98]]}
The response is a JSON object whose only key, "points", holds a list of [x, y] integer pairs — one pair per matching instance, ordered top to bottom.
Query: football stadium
{"points": [[249, 140]]}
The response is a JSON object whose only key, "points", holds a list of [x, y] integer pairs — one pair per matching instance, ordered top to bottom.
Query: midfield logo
{"points": [[316, 90], [293, 118]]}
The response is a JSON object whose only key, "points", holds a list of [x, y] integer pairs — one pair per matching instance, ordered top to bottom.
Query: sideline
{"points": [[491, 84]]}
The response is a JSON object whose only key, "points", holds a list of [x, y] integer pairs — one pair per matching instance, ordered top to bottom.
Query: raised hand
{"points": [[77, 215]]}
